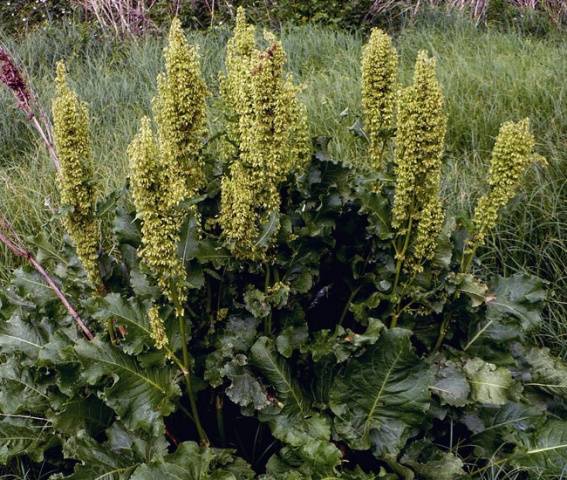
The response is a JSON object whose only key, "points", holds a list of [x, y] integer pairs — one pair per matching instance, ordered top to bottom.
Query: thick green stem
{"points": [[401, 254], [466, 261], [347, 305], [268, 320], [443, 329], [187, 376], [220, 419]]}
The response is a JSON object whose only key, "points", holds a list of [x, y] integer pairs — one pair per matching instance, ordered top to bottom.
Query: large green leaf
{"points": [[32, 286], [513, 309], [132, 315], [18, 334], [547, 372], [489, 383], [451, 384], [19, 392], [140, 396], [381, 397], [89, 414], [290, 415], [492, 425], [24, 436], [544, 452], [98, 461], [191, 462], [431, 463]]}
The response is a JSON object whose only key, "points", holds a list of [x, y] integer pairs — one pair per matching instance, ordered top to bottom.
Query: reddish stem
{"points": [[16, 247]]}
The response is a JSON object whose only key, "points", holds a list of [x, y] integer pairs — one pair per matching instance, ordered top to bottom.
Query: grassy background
{"points": [[488, 77]]}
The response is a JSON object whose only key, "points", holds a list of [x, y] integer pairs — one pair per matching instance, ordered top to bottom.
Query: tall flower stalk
{"points": [[241, 53], [379, 88], [274, 142], [512, 154], [166, 170], [75, 176], [417, 214]]}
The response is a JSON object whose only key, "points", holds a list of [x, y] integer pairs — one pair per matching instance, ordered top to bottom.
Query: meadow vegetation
{"points": [[487, 77], [295, 255]]}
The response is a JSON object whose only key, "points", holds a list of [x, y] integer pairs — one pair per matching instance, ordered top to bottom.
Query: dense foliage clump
{"points": [[277, 313]]}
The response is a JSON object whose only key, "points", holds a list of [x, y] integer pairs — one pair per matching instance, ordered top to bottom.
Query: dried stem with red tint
{"points": [[12, 77], [10, 238]]}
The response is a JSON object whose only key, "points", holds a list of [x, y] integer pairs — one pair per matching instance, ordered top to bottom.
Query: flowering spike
{"points": [[235, 84], [379, 86], [180, 113], [274, 142], [419, 150], [511, 156], [169, 170], [75, 177], [160, 221], [157, 328]]}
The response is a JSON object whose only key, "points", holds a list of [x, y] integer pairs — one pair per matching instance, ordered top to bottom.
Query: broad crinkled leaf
{"points": [[32, 286], [474, 289], [513, 309], [131, 314], [18, 334], [291, 339], [547, 372], [489, 383], [451, 385], [245, 389], [19, 392], [140, 396], [382, 396], [89, 414], [290, 416], [493, 425], [19, 436], [544, 452], [98, 461], [191, 462], [431, 463]]}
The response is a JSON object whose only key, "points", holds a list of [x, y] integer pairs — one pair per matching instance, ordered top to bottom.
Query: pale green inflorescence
{"points": [[241, 54], [379, 87], [181, 115], [421, 128], [274, 142], [512, 154], [168, 170], [75, 177], [160, 219], [157, 328]]}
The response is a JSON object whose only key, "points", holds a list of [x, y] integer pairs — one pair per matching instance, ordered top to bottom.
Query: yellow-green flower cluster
{"points": [[241, 54], [379, 87], [180, 113], [422, 122], [274, 142], [511, 156], [167, 169], [75, 177], [157, 328]]}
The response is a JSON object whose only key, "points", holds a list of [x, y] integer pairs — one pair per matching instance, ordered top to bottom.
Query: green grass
{"points": [[488, 77]]}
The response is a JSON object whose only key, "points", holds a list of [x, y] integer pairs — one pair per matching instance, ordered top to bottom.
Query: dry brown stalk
{"points": [[14, 80], [10, 238]]}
